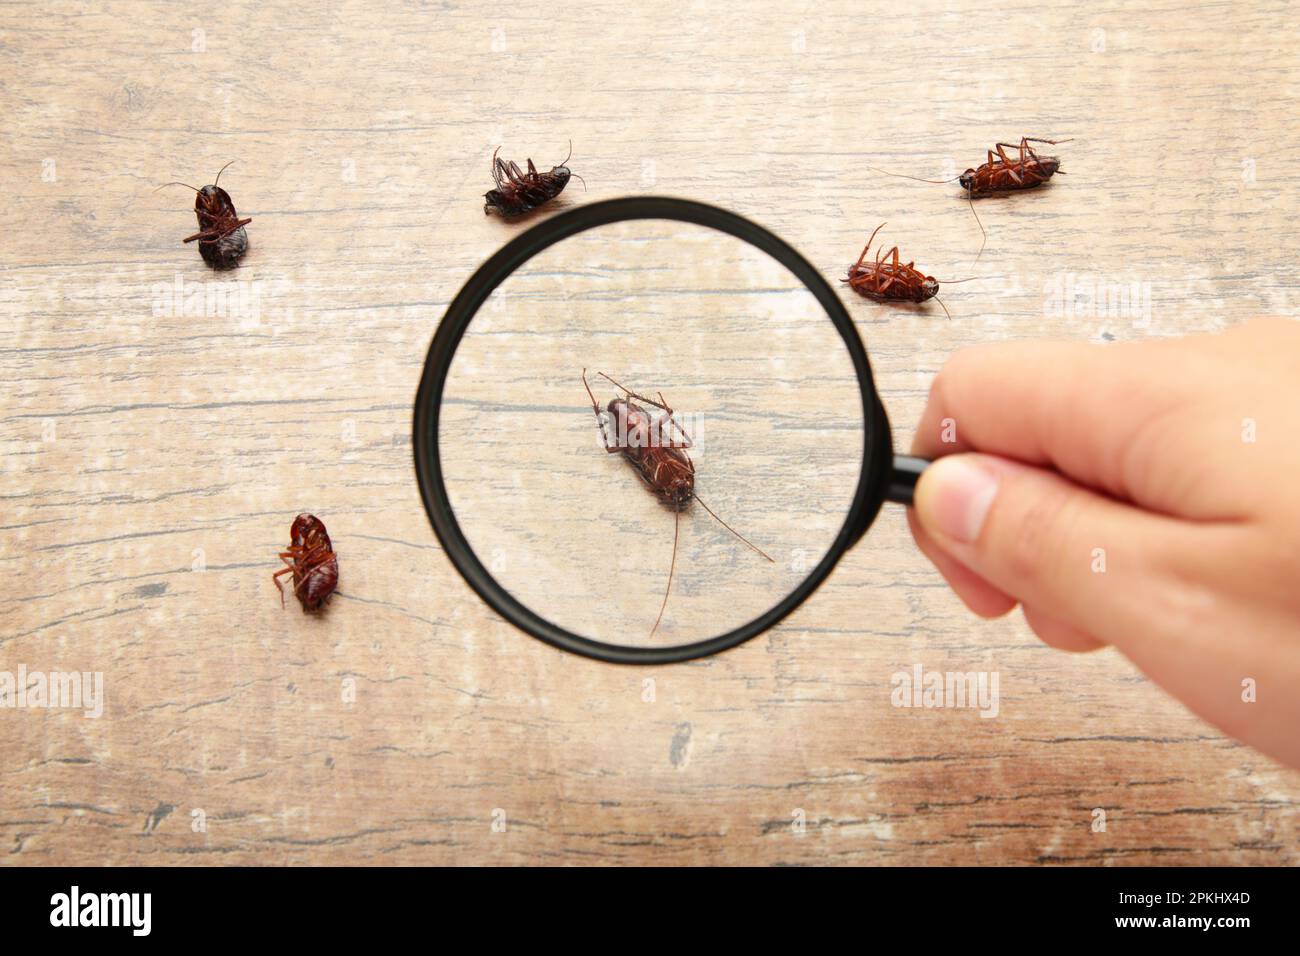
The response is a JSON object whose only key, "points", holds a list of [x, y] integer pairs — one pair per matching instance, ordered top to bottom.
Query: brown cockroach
{"points": [[1001, 174], [519, 192], [222, 238], [886, 279], [659, 458], [312, 562]]}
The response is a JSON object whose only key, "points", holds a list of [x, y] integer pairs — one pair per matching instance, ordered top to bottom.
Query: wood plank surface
{"points": [[162, 425]]}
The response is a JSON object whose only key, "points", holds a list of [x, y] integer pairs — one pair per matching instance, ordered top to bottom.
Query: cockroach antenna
{"points": [[565, 162], [217, 181], [937, 182], [984, 236], [954, 282], [732, 530], [672, 565]]}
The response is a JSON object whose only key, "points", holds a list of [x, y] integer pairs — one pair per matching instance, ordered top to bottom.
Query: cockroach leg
{"points": [[1022, 148], [870, 240], [631, 394], [661, 404], [600, 419], [667, 419], [688, 442], [276, 578]]}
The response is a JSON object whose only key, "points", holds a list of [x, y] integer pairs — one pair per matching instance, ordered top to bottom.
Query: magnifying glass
{"points": [[647, 431]]}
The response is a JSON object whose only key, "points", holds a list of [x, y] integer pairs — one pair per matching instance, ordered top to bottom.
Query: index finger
{"points": [[1111, 417]]}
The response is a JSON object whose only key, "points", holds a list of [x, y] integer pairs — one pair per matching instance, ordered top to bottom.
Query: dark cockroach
{"points": [[1001, 174], [519, 192], [222, 238], [885, 279], [659, 458], [312, 562]]}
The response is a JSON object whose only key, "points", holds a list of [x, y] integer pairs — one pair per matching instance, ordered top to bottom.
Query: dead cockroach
{"points": [[1002, 174], [519, 192], [222, 238], [886, 279], [659, 458], [312, 562]]}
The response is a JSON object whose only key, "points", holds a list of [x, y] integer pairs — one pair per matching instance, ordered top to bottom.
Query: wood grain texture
{"points": [[153, 458]]}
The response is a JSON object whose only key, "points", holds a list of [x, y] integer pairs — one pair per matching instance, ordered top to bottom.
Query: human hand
{"points": [[1142, 495]]}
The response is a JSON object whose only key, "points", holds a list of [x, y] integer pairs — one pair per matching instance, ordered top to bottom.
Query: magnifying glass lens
{"points": [[727, 461]]}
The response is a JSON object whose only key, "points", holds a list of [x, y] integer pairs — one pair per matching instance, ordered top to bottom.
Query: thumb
{"points": [[1077, 560]]}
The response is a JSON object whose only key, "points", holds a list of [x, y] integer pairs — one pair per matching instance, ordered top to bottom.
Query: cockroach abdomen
{"points": [[225, 253], [320, 584]]}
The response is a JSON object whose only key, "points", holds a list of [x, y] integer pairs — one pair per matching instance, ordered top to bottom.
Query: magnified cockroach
{"points": [[1001, 174], [518, 192], [222, 238], [885, 279], [659, 458], [312, 562]]}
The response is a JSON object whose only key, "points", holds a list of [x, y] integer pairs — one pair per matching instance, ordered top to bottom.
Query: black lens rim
{"points": [[876, 449]]}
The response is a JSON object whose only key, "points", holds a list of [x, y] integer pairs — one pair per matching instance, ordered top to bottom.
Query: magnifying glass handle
{"points": [[902, 482]]}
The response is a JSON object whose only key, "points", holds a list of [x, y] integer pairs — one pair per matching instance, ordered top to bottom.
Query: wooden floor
{"points": [[163, 424]]}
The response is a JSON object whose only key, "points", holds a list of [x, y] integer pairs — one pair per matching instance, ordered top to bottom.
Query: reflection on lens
{"points": [[726, 429]]}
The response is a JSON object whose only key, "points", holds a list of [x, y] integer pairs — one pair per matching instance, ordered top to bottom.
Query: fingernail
{"points": [[954, 497]]}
